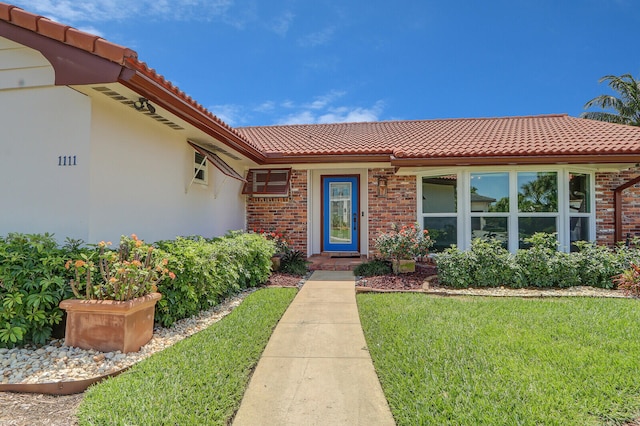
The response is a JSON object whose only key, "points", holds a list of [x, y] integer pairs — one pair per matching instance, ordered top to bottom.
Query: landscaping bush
{"points": [[535, 261], [293, 262], [487, 264], [540, 265], [372, 268], [209, 270], [33, 281]]}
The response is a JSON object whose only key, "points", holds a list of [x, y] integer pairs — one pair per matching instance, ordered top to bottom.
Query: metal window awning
{"points": [[217, 162], [267, 182]]}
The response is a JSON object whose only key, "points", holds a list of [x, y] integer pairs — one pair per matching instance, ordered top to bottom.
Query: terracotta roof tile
{"points": [[65, 33], [104, 49], [543, 135]]}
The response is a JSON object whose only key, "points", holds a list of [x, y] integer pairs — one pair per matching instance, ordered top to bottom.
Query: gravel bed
{"points": [[56, 362]]}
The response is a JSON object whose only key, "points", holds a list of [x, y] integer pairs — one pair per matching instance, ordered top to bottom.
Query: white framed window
{"points": [[200, 171], [507, 204], [440, 209]]}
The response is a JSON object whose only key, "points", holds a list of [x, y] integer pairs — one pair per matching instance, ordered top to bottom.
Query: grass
{"points": [[467, 361], [199, 380]]}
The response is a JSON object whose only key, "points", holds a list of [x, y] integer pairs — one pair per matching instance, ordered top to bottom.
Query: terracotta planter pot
{"points": [[275, 262], [403, 266], [108, 325]]}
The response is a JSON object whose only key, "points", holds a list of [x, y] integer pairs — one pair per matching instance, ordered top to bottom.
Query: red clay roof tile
{"points": [[24, 19], [52, 29], [64, 33], [104, 49], [543, 135], [550, 135]]}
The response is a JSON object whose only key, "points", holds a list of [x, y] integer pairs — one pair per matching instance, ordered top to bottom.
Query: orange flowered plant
{"points": [[281, 243], [404, 243], [124, 274]]}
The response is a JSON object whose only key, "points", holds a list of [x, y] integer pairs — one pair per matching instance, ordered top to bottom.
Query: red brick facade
{"points": [[606, 183], [398, 206], [284, 214], [289, 214]]}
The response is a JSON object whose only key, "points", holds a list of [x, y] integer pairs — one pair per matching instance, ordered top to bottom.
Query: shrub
{"points": [[407, 242], [535, 260], [293, 262], [486, 264], [600, 264], [540, 265], [372, 268], [454, 268], [209, 270], [33, 281], [629, 281]]}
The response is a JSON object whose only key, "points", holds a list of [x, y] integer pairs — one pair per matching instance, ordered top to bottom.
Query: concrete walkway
{"points": [[316, 369]]}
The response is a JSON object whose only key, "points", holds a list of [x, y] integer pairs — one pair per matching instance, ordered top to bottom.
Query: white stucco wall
{"points": [[40, 125], [139, 176]]}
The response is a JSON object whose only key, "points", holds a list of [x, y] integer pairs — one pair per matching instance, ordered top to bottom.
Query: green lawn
{"points": [[491, 361], [198, 381]]}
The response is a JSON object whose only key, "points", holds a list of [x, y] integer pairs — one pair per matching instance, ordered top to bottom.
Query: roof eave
{"points": [[197, 117], [279, 158], [515, 160]]}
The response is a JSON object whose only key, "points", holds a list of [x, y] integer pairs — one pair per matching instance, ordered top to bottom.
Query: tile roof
{"points": [[123, 56], [543, 135], [548, 138]]}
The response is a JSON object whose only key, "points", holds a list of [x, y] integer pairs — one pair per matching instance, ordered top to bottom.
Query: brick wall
{"points": [[605, 185], [399, 205], [285, 214]]}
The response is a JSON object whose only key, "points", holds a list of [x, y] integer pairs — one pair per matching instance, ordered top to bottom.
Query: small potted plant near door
{"points": [[402, 245], [281, 247], [115, 297]]}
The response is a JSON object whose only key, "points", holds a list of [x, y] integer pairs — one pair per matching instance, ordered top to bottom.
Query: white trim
{"points": [[464, 215]]}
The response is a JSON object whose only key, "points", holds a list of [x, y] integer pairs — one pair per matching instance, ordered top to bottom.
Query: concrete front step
{"points": [[326, 263]]}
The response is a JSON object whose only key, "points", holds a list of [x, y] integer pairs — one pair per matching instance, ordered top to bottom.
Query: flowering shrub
{"points": [[407, 242], [282, 246], [131, 271]]}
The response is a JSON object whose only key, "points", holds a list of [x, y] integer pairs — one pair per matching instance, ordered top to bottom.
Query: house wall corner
{"points": [[606, 183], [398, 205], [287, 215]]}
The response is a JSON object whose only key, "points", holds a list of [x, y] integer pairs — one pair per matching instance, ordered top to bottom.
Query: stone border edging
{"points": [[521, 293]]}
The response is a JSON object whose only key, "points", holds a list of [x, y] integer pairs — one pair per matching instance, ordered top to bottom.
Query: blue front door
{"points": [[340, 230]]}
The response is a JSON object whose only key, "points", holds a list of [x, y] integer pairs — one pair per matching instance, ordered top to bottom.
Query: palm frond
{"points": [[626, 105]]}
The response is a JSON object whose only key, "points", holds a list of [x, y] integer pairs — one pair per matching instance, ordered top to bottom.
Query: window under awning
{"points": [[217, 162], [267, 182]]}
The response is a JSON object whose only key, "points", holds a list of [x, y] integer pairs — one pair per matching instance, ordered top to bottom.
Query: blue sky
{"points": [[255, 62]]}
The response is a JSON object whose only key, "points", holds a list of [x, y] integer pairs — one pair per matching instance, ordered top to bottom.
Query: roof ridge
{"points": [[65, 34], [351, 123]]}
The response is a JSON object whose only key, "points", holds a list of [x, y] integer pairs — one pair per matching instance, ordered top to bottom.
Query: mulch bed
{"points": [[283, 280], [411, 281]]}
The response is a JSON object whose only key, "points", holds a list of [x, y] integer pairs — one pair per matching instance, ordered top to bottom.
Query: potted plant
{"points": [[403, 245], [281, 246], [115, 297]]}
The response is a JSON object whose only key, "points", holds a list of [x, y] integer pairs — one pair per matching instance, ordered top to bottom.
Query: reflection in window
{"points": [[489, 192], [537, 192], [439, 194], [579, 200], [527, 226], [491, 228], [444, 230], [578, 230]]}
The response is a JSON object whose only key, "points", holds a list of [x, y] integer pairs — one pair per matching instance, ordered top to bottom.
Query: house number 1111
{"points": [[67, 160]]}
